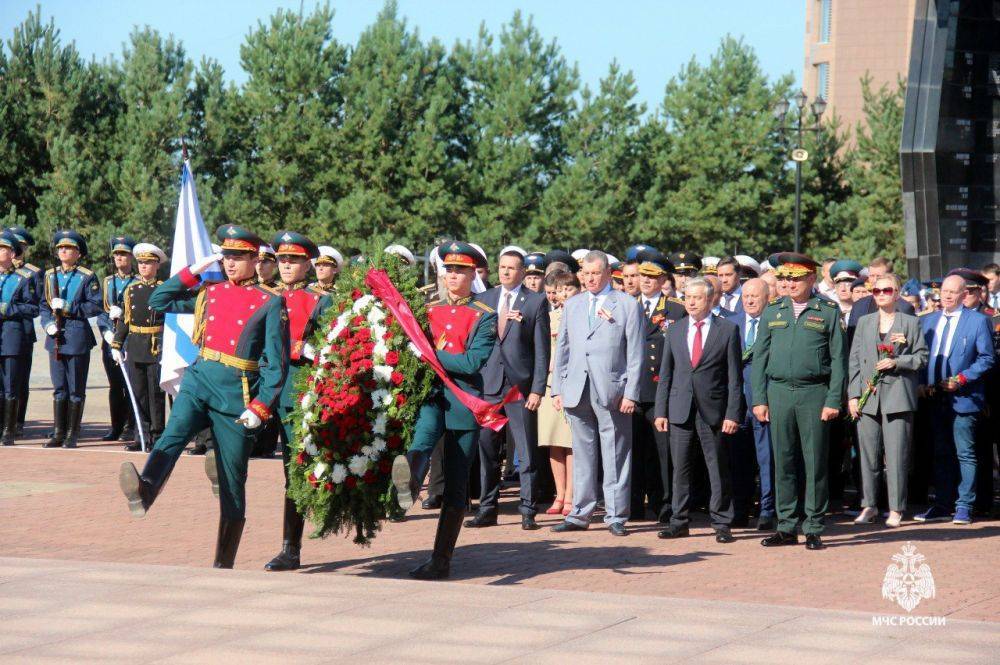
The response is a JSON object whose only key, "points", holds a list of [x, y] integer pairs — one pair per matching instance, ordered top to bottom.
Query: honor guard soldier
{"points": [[403, 253], [686, 264], [327, 265], [267, 267], [534, 272], [113, 287], [72, 295], [18, 304], [305, 305], [464, 332], [138, 343], [27, 349], [799, 367], [232, 387], [651, 475]]}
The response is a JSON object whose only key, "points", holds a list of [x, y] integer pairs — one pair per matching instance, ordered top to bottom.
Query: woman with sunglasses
{"points": [[887, 343]]}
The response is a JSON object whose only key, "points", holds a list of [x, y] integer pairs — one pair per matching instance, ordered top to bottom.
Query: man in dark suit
{"points": [[728, 271], [520, 358], [700, 394], [753, 440], [650, 448]]}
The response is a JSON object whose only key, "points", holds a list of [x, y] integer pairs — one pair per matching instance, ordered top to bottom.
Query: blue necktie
{"points": [[592, 314], [752, 333], [941, 360]]}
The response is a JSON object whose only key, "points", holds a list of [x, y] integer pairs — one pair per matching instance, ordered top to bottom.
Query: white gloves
{"points": [[199, 267], [58, 303], [115, 312], [51, 330], [109, 337], [308, 352], [117, 356], [250, 420]]}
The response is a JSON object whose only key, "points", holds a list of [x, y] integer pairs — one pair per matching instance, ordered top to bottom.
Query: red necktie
{"points": [[696, 347]]}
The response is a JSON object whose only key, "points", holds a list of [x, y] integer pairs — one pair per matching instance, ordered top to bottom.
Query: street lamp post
{"points": [[799, 154]]}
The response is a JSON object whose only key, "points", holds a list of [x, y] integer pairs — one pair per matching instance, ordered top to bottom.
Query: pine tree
{"points": [[594, 201]]}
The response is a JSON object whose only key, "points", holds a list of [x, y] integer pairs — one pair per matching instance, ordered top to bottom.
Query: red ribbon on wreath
{"points": [[486, 414]]}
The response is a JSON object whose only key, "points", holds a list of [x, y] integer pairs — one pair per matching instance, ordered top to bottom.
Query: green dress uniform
{"points": [[242, 331], [464, 333], [799, 367]]}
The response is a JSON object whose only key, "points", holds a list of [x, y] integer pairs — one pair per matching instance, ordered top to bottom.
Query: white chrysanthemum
{"points": [[362, 302], [375, 314], [379, 331], [381, 348], [414, 350], [324, 352], [382, 372], [381, 396], [307, 399], [309, 416], [381, 420], [378, 443], [309, 446], [367, 451], [358, 464], [319, 470], [338, 474]]}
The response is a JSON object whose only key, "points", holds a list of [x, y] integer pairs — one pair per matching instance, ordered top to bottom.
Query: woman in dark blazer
{"points": [[885, 421]]}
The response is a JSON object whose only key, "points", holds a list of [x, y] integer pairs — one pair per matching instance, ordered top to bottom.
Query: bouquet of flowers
{"points": [[884, 351], [358, 405]]}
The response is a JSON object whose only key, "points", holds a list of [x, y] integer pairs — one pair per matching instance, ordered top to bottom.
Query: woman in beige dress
{"points": [[553, 428]]}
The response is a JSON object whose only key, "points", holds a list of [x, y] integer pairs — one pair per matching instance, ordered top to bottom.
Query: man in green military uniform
{"points": [[464, 333], [231, 388], [799, 388]]}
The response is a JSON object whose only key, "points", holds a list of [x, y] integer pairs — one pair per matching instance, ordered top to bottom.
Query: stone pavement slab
{"points": [[65, 504], [59, 611]]}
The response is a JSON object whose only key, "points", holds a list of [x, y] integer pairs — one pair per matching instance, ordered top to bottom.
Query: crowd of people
{"points": [[648, 387]]}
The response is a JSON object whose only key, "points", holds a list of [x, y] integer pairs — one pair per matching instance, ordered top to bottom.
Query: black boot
{"points": [[59, 407], [9, 412], [118, 417], [73, 418], [212, 471], [407, 474], [142, 490], [230, 532], [291, 546], [438, 567]]}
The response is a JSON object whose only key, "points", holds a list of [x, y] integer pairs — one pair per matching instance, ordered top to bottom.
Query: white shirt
{"points": [[513, 296], [600, 296], [994, 299], [649, 304], [706, 324], [750, 326], [942, 347]]}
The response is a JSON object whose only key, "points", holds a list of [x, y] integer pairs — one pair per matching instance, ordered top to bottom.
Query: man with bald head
{"points": [[961, 355], [753, 440]]}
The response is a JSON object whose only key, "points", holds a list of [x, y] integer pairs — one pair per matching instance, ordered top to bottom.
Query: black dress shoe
{"points": [[111, 435], [133, 446], [432, 502], [664, 517], [482, 519], [528, 523], [740, 523], [765, 524], [568, 526], [617, 529], [674, 532], [724, 536], [780, 538], [814, 542]]}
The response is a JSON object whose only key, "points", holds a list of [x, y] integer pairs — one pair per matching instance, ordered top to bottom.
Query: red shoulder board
{"points": [[300, 303], [453, 323]]}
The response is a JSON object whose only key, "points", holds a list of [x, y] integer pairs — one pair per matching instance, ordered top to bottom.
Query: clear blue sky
{"points": [[652, 38]]}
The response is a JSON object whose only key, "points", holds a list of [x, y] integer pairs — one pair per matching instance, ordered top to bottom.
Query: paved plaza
{"points": [[80, 580]]}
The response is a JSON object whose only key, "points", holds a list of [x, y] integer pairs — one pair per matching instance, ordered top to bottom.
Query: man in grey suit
{"points": [[520, 358], [597, 373], [700, 395]]}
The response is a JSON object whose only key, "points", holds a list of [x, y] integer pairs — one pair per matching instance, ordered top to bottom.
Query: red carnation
{"points": [[356, 293], [388, 320], [358, 321], [344, 333], [363, 335], [388, 335], [392, 358], [397, 378], [400, 399], [394, 441], [300, 459], [369, 477], [313, 480], [351, 482], [328, 487]]}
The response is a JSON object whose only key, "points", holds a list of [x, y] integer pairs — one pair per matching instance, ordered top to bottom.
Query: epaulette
{"points": [[32, 267], [50, 271], [84, 271], [24, 272], [312, 288], [270, 289], [676, 300], [828, 302], [436, 303], [483, 306]]}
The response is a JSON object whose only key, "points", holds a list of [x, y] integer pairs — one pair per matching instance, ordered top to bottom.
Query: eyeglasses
{"points": [[889, 290]]}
